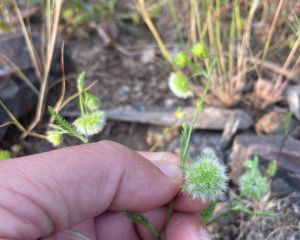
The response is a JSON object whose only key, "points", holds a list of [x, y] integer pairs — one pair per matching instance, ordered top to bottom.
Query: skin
{"points": [[88, 187]]}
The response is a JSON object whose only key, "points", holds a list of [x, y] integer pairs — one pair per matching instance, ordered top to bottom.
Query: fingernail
{"points": [[169, 168]]}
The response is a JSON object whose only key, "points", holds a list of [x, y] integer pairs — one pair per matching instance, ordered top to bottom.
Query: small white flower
{"points": [[179, 85], [90, 123]]}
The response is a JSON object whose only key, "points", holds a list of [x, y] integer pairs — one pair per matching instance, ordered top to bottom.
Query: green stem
{"points": [[199, 109]]}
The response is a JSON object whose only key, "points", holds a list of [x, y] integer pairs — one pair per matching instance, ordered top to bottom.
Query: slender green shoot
{"points": [[187, 130], [138, 218]]}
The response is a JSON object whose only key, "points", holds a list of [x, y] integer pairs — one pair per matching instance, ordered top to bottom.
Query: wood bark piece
{"points": [[211, 118], [266, 148]]}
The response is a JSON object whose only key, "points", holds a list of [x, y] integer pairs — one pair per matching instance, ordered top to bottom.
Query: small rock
{"points": [[148, 55], [270, 123]]}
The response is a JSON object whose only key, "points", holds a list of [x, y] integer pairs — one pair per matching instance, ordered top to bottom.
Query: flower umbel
{"points": [[179, 85], [90, 123], [206, 178]]}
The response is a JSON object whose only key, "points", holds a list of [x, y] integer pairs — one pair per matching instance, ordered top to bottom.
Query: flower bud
{"points": [[199, 51]]}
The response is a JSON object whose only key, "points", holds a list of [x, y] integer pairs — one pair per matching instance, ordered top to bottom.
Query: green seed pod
{"points": [[199, 51], [181, 59], [179, 85], [93, 103], [91, 123], [55, 137], [5, 154], [206, 179]]}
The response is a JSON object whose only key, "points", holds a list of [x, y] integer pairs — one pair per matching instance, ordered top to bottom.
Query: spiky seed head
{"points": [[199, 50], [181, 59], [179, 85], [93, 103], [90, 123], [55, 137], [5, 154], [206, 178], [252, 184]]}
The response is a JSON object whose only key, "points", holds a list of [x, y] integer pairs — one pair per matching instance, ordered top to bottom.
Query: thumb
{"points": [[46, 193]]}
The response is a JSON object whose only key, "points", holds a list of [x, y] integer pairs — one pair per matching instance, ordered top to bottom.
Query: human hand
{"points": [[89, 187]]}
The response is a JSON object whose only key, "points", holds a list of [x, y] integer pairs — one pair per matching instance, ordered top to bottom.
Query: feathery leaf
{"points": [[65, 125]]}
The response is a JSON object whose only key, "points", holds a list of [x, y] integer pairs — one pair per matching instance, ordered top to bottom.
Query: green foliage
{"points": [[78, 13], [91, 121], [62, 127], [5, 154], [272, 168], [206, 178], [252, 184], [242, 208], [207, 213], [142, 220]]}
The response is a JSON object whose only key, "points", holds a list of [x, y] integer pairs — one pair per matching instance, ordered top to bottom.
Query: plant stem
{"points": [[199, 109]]}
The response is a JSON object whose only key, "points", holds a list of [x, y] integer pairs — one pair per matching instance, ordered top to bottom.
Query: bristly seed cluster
{"points": [[205, 178]]}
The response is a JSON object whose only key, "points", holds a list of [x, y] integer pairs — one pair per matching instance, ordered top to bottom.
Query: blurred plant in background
{"points": [[240, 34]]}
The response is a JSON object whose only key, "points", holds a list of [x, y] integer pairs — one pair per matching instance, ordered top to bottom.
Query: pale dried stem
{"points": [[141, 7], [273, 25], [52, 26], [32, 52], [19, 73]]}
